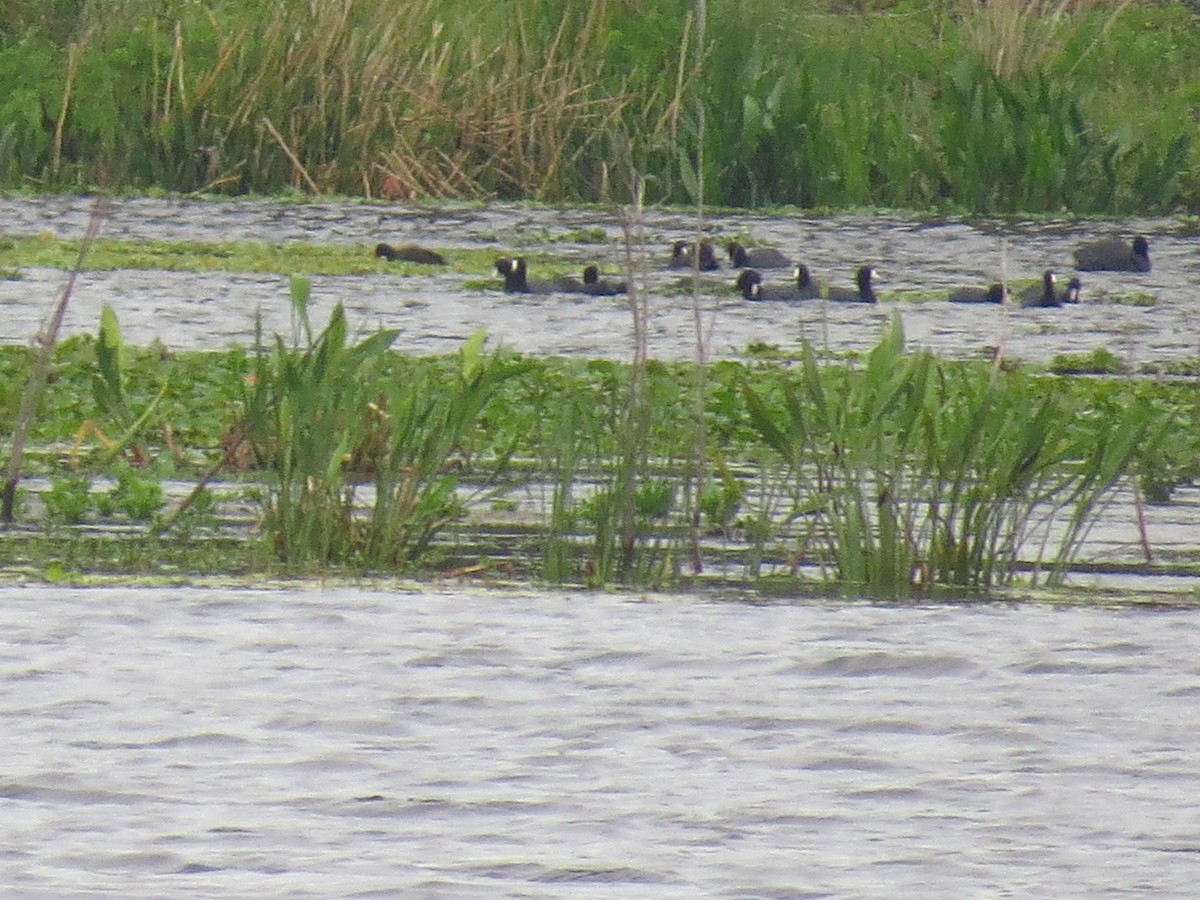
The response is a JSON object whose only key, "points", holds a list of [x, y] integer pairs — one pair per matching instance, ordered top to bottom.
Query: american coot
{"points": [[409, 254], [1114, 256], [756, 257], [682, 258], [513, 273], [516, 280], [749, 282], [595, 285], [805, 286], [1073, 290], [865, 293], [996, 293], [1041, 294]]}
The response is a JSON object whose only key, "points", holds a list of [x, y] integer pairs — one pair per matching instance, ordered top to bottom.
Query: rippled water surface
{"points": [[437, 312], [345, 743]]}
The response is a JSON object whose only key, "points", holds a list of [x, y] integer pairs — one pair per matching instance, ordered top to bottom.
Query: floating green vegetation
{"points": [[526, 235], [594, 235], [239, 256], [247, 256], [1127, 299], [764, 350], [1100, 361], [1184, 368], [891, 474], [73, 499]]}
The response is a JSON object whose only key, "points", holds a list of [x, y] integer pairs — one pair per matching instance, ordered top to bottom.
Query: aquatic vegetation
{"points": [[1024, 105], [236, 256], [1100, 361], [39, 372], [108, 390], [321, 417], [609, 438], [893, 472], [911, 473], [138, 499], [68, 500]]}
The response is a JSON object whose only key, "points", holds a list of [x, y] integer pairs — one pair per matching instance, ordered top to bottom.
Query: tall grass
{"points": [[1017, 37], [534, 100], [325, 418], [895, 472], [910, 472], [896, 475], [612, 502]]}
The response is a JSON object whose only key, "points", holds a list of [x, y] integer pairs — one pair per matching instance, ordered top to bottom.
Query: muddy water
{"points": [[436, 312], [343, 743]]}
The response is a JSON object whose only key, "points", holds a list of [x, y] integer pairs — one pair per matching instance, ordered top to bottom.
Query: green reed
{"points": [[1017, 105], [35, 384], [109, 389], [329, 415], [428, 425], [910, 472], [610, 504]]}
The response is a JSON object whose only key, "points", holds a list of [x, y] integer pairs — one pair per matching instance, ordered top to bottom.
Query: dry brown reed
{"points": [[1017, 36], [530, 100], [408, 106], [38, 376]]}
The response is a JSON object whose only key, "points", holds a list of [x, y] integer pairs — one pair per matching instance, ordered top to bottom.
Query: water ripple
{"points": [[435, 313], [540, 745]]}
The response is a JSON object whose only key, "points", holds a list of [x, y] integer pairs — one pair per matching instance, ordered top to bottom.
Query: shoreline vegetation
{"points": [[1079, 107], [330, 452], [890, 475]]}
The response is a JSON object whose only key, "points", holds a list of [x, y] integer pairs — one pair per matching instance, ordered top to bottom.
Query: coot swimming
{"points": [[409, 254], [1114, 256], [682, 257], [756, 257], [516, 279], [749, 282], [595, 285], [865, 293], [995, 293], [1041, 294]]}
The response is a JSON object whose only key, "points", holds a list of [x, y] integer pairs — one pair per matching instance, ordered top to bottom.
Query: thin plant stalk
{"points": [[48, 341], [637, 412], [699, 467]]}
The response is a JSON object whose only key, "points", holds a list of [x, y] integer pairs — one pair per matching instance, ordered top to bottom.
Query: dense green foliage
{"points": [[1014, 105], [205, 393], [320, 418], [910, 469], [893, 473]]}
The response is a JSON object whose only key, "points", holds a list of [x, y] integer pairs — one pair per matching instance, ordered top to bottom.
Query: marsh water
{"points": [[1143, 319], [443, 741], [335, 742]]}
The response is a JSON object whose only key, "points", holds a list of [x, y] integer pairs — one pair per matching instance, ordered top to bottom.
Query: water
{"points": [[436, 313], [331, 742], [335, 742]]}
